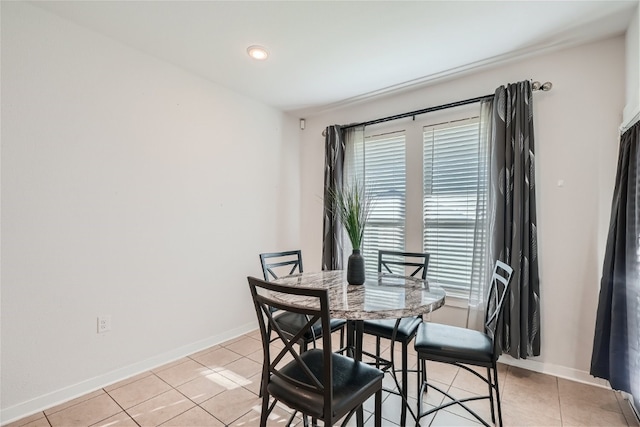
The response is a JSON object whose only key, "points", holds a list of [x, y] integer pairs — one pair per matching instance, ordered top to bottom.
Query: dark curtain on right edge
{"points": [[616, 343]]}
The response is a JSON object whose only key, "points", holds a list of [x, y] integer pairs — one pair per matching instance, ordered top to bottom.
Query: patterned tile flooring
{"points": [[219, 387]]}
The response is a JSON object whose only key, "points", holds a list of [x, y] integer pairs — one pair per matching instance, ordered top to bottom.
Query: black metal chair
{"points": [[290, 262], [276, 264], [397, 330], [463, 347], [318, 382]]}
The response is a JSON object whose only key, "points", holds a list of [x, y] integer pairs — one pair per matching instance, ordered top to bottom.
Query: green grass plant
{"points": [[352, 206]]}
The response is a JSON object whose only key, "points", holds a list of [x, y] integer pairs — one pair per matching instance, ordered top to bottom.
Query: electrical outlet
{"points": [[104, 324]]}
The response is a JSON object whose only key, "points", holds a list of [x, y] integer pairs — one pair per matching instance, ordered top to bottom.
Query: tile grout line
{"points": [[230, 379], [177, 391], [153, 397], [141, 402], [559, 402], [198, 405], [71, 406], [120, 406], [205, 410]]}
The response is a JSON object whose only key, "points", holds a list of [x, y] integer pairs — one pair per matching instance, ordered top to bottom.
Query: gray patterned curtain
{"points": [[513, 158], [333, 166], [616, 344]]}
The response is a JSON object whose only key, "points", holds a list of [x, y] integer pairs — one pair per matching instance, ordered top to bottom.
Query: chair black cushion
{"points": [[292, 323], [384, 328], [452, 344], [352, 381]]}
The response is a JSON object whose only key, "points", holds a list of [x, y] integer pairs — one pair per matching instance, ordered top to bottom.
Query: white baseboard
{"points": [[555, 370], [65, 394], [629, 399]]}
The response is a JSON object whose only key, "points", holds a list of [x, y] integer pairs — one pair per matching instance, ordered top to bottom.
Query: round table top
{"points": [[385, 296]]}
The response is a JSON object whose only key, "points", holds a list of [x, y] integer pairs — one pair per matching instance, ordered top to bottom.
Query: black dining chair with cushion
{"points": [[276, 264], [397, 330], [466, 347], [318, 383]]}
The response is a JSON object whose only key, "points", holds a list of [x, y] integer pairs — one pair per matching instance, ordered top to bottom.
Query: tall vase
{"points": [[355, 268]]}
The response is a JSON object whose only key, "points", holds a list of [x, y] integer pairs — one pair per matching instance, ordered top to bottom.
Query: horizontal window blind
{"points": [[381, 164], [451, 184]]}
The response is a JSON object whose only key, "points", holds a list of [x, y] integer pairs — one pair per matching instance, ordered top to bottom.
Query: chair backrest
{"points": [[388, 259], [276, 264], [500, 280], [312, 304]]}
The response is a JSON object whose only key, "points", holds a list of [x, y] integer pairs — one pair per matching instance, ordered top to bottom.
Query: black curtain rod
{"points": [[417, 112]]}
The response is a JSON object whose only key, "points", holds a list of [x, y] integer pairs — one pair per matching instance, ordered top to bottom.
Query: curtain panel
{"points": [[333, 170], [514, 235], [484, 251], [616, 344]]}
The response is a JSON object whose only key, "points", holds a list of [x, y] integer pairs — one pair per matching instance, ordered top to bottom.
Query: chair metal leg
{"points": [[264, 366], [424, 369], [405, 371], [422, 374], [263, 377], [419, 377], [495, 381], [490, 384], [422, 387], [451, 400], [378, 413], [264, 414]]}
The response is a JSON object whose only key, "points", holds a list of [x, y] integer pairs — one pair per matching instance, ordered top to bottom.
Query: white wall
{"points": [[632, 107], [576, 130], [129, 188]]}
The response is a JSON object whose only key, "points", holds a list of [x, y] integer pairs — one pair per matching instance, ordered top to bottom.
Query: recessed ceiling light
{"points": [[258, 52]]}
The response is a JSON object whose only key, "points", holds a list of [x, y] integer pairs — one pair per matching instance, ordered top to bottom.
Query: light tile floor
{"points": [[219, 387]]}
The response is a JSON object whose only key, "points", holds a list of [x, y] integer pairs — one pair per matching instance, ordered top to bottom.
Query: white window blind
{"points": [[380, 163], [451, 182]]}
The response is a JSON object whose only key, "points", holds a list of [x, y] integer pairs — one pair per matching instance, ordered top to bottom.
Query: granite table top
{"points": [[384, 296]]}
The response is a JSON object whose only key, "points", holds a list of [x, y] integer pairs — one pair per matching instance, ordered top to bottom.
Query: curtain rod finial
{"points": [[546, 86]]}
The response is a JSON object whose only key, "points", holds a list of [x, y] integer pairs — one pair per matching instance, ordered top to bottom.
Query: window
{"points": [[451, 161], [380, 163], [425, 179]]}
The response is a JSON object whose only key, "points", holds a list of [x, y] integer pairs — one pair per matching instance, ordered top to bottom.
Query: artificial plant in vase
{"points": [[352, 207]]}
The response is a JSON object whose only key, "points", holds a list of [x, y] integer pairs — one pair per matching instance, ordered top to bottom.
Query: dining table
{"points": [[382, 296]]}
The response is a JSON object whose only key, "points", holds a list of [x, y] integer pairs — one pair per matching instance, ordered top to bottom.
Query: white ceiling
{"points": [[327, 53]]}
